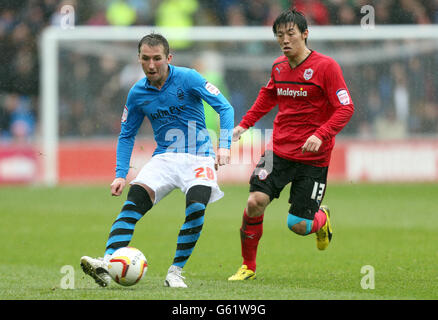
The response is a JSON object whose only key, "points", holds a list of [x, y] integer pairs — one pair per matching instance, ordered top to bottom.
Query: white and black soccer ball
{"points": [[127, 266]]}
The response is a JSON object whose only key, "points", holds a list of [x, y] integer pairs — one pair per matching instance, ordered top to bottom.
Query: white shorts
{"points": [[168, 171]]}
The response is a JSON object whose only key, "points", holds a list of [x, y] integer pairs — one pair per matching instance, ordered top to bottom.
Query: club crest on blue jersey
{"points": [[180, 94]]}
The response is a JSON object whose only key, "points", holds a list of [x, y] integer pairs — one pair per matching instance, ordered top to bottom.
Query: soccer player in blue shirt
{"points": [[170, 97]]}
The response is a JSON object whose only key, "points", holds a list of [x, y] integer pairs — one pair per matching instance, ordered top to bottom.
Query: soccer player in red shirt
{"points": [[314, 104]]}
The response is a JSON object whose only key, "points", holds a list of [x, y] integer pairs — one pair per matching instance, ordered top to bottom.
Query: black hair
{"points": [[292, 16], [155, 39]]}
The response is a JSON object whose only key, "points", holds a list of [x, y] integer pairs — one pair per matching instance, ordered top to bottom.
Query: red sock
{"points": [[318, 221], [250, 234]]}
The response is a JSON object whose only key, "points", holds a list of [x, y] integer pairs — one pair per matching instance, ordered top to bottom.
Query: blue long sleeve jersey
{"points": [[176, 114]]}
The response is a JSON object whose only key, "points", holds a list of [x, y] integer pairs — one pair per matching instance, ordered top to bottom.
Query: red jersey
{"points": [[312, 99]]}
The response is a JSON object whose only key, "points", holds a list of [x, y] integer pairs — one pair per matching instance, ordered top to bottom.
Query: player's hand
{"points": [[237, 132], [312, 144], [223, 156], [117, 186]]}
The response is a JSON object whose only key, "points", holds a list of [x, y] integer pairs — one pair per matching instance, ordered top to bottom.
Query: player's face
{"points": [[291, 40], [155, 64]]}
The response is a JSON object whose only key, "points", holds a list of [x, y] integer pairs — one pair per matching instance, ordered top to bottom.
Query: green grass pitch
{"points": [[390, 227]]}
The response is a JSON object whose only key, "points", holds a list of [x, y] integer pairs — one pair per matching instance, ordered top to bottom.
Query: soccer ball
{"points": [[127, 266]]}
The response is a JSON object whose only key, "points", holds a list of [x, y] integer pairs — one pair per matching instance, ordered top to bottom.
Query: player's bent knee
{"points": [[198, 194], [140, 197], [257, 202], [299, 225]]}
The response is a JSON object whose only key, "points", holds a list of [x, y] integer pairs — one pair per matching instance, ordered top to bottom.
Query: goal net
{"points": [[86, 73]]}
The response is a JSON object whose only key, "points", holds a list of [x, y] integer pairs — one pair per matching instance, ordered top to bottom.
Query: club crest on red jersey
{"points": [[308, 73]]}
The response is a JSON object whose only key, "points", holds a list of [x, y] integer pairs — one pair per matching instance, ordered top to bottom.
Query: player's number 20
{"points": [[204, 172]]}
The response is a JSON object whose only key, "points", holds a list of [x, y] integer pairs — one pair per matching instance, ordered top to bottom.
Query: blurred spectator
{"points": [[219, 9], [274, 10], [382, 10], [433, 10], [144, 11], [315, 11], [246, 12], [257, 12], [408, 12], [121, 13], [177, 13], [346, 15], [235, 16], [98, 19], [7, 20], [23, 70], [401, 93], [373, 108], [18, 110], [428, 116], [5, 118], [388, 127]]}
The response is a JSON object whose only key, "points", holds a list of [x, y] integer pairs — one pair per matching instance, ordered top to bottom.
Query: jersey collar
{"points": [[305, 59]]}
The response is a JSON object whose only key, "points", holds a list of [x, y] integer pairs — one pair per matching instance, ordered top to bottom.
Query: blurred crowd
{"points": [[400, 98]]}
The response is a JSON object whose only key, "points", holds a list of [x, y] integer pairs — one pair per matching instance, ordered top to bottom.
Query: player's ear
{"points": [[305, 34], [169, 58]]}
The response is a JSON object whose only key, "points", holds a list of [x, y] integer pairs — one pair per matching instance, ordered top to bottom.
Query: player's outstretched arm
{"points": [[117, 186]]}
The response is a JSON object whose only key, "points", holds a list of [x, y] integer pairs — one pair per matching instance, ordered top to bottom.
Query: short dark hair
{"points": [[290, 16], [155, 39]]}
